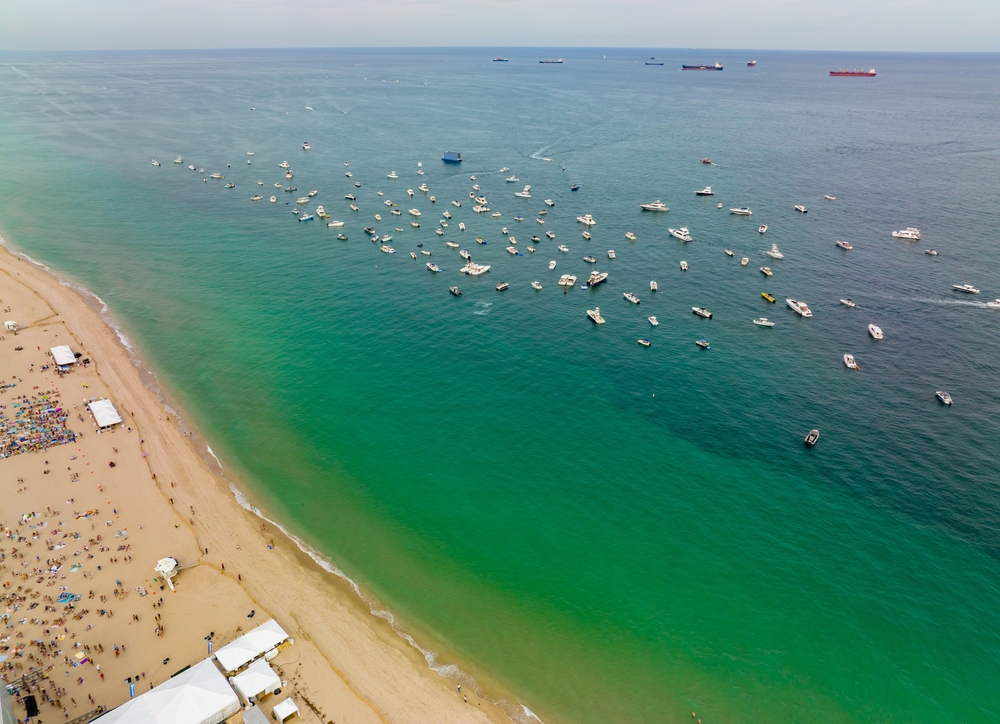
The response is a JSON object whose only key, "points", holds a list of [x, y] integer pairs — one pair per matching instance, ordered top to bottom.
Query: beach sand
{"points": [[160, 499]]}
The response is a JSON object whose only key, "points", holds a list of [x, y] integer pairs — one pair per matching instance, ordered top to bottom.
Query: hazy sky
{"points": [[927, 25]]}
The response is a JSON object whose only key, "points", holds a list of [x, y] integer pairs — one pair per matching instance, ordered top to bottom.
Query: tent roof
{"points": [[63, 355], [104, 413], [251, 645], [258, 677], [284, 709], [253, 715]]}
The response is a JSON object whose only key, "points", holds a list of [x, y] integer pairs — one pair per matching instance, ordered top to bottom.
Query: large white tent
{"points": [[63, 355], [104, 413], [251, 645], [258, 678], [200, 695]]}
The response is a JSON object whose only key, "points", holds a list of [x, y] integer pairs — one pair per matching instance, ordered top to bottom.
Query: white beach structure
{"points": [[10, 325], [63, 355], [104, 412], [167, 567], [261, 641], [256, 681], [200, 695], [284, 710]]}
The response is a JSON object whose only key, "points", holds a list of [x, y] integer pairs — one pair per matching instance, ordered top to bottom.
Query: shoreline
{"points": [[378, 665]]}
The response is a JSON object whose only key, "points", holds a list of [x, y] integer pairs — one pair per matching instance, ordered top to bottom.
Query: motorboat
{"points": [[178, 160], [155, 162], [284, 164], [349, 174], [216, 175], [392, 175], [513, 179], [260, 183], [357, 184], [277, 186], [475, 187], [574, 187], [707, 191], [409, 192], [379, 193], [523, 193], [256, 197], [828, 197], [274, 199], [432, 199], [302, 200], [388, 202], [550, 202], [456, 204], [655, 206], [719, 206], [354, 207], [801, 209], [320, 211], [741, 211], [395, 212], [414, 212], [446, 214], [307, 217], [378, 217], [518, 218], [586, 219], [540, 220], [335, 224], [415, 225], [461, 226], [762, 229], [503, 230], [439, 232], [682, 233], [910, 233], [630, 235], [587, 236], [342, 237], [536, 239], [844, 245], [563, 248], [531, 249], [513, 250], [425, 252], [729, 252], [931, 252], [464, 253], [774, 253], [611, 254], [590, 260], [744, 261], [552, 265], [684, 266], [473, 269], [766, 271], [596, 278], [564, 281], [536, 285], [501, 286], [653, 286], [967, 288], [455, 291], [631, 297], [770, 299], [848, 303], [994, 304], [800, 308], [702, 312], [595, 315], [654, 321], [763, 322], [875, 331], [644, 342], [703, 343], [850, 362], [943, 396], [811, 438]]}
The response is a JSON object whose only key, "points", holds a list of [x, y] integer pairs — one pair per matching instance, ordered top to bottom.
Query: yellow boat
{"points": [[768, 297]]}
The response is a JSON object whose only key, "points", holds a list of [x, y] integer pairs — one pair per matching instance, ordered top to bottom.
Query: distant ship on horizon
{"points": [[500, 60], [551, 60], [654, 61], [717, 66], [854, 73]]}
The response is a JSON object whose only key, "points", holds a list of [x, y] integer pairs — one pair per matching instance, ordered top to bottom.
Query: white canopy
{"points": [[63, 355], [104, 413], [250, 646], [259, 678], [200, 695], [284, 709], [253, 715]]}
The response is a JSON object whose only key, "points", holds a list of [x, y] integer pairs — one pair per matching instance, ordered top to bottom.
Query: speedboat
{"points": [[305, 145], [178, 160], [155, 162], [284, 164], [349, 174], [216, 175], [392, 175], [513, 179], [260, 183], [357, 184], [475, 187], [574, 187], [707, 191], [409, 192], [380, 193], [523, 193], [256, 197], [828, 197], [274, 199], [302, 200], [433, 200], [550, 202], [456, 203], [655, 206], [719, 206], [354, 207], [801, 209], [741, 211], [321, 212], [414, 212], [446, 214], [307, 217], [518, 218], [586, 219], [540, 220], [335, 224], [414, 224], [762, 229], [439, 232], [682, 233], [910, 233], [550, 234], [630, 235], [587, 236], [342, 237], [536, 239], [844, 245], [529, 248], [563, 248], [388, 249], [513, 250], [425, 252], [729, 252], [931, 252], [464, 253], [774, 253], [611, 254], [590, 260], [552, 265], [684, 266], [766, 271], [596, 278], [567, 280], [536, 285], [501, 286], [653, 286], [967, 288], [455, 291], [631, 297], [768, 297], [848, 303], [994, 304], [800, 308], [702, 312], [595, 315], [654, 321], [763, 322], [875, 331], [644, 342], [703, 343], [849, 361], [943, 396], [811, 438]]}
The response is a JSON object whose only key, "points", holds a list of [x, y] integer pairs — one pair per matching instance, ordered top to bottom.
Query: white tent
{"points": [[63, 355], [104, 413], [251, 645], [258, 678], [200, 695], [284, 709], [253, 715]]}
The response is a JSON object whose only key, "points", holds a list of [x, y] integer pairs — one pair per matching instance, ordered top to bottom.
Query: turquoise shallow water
{"points": [[601, 531]]}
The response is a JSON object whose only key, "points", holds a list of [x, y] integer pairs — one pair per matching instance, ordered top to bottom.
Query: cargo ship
{"points": [[500, 60], [551, 60], [654, 61], [717, 66], [854, 73], [452, 157]]}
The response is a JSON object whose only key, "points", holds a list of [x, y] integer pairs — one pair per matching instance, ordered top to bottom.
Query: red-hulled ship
{"points": [[854, 73]]}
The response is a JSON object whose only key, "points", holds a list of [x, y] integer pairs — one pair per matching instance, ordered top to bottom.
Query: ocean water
{"points": [[594, 530]]}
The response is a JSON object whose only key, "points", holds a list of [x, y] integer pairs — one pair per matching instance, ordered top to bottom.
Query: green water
{"points": [[600, 532]]}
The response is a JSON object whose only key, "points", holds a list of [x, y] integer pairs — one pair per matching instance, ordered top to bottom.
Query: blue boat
{"points": [[452, 157], [574, 187]]}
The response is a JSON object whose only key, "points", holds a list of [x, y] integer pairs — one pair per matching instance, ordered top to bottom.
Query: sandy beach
{"points": [[87, 514]]}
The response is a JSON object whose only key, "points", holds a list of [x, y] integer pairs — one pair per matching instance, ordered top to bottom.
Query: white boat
{"points": [[305, 145], [178, 160], [155, 162], [284, 164], [288, 174], [349, 174], [216, 175], [392, 175], [513, 179], [260, 183], [423, 187], [475, 187], [707, 191], [409, 192], [523, 193], [256, 197], [828, 197], [274, 199], [433, 199], [302, 200], [550, 202], [456, 204], [655, 206], [354, 207], [801, 209], [741, 211], [321, 212], [414, 212], [446, 214], [496, 214], [586, 219], [540, 220], [335, 224], [414, 224], [461, 226], [762, 229], [439, 232], [682, 233], [910, 233], [550, 234], [630, 235], [587, 236], [844, 245], [563, 248], [388, 249], [512, 250], [425, 252], [729, 252], [931, 252], [464, 253], [774, 253], [611, 254], [413, 255], [744, 261], [552, 265], [684, 266], [433, 267], [473, 269], [766, 271], [596, 278], [536, 285], [653, 286], [967, 288], [631, 297], [848, 303], [994, 304], [800, 308], [702, 312], [595, 315], [654, 321], [763, 322], [875, 331], [644, 342], [849, 361], [943, 396]]}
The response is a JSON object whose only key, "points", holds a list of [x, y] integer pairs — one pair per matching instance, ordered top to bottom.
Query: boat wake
{"points": [[537, 155], [928, 300], [482, 308]]}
